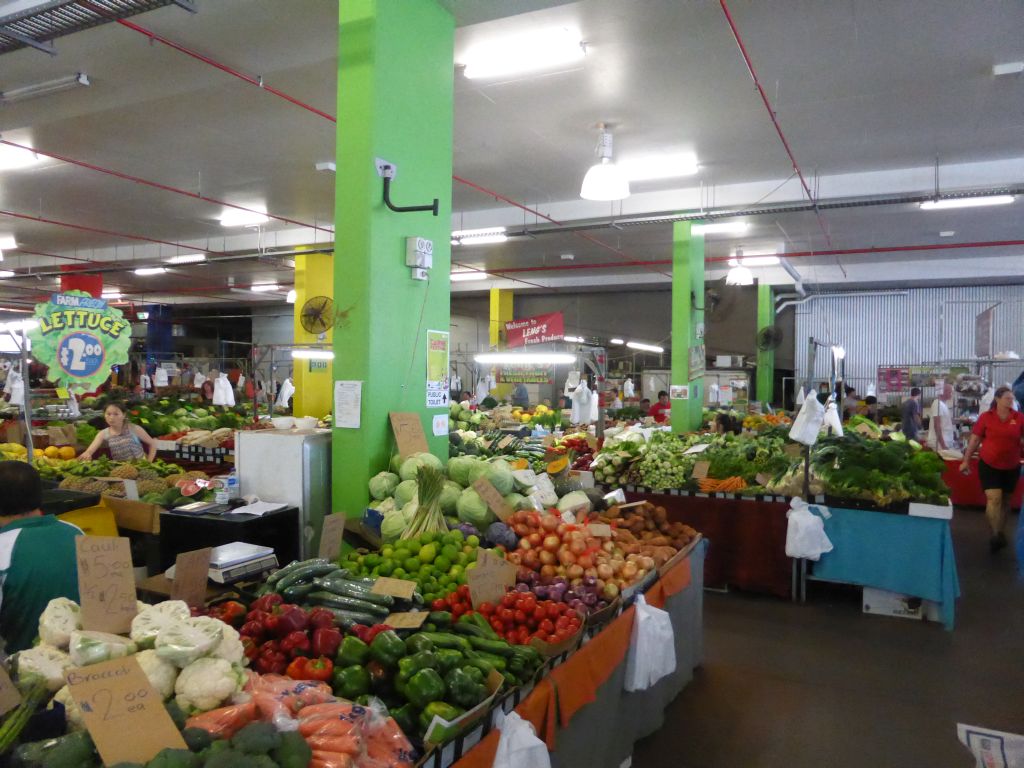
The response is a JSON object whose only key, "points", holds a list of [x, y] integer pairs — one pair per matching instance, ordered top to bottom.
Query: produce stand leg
{"points": [[27, 402]]}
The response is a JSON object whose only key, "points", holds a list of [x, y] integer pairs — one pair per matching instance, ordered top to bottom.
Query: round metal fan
{"points": [[317, 315]]}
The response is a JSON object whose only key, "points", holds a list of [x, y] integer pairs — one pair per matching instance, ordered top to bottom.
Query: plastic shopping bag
{"points": [[287, 390], [223, 394], [800, 397], [832, 419], [807, 423], [805, 533], [652, 651], [519, 746]]}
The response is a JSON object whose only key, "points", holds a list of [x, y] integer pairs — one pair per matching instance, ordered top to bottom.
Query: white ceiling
{"points": [[869, 95]]}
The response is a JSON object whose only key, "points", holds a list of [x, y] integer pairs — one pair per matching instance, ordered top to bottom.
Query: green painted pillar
{"points": [[395, 82], [687, 325], [765, 357]]}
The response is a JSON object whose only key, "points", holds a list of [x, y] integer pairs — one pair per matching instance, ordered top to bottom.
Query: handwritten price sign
{"points": [[106, 583]]}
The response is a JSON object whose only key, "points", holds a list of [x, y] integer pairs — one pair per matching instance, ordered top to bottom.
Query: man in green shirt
{"points": [[37, 556]]}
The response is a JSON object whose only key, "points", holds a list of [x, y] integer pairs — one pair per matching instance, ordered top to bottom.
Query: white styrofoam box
{"points": [[931, 510], [884, 603]]}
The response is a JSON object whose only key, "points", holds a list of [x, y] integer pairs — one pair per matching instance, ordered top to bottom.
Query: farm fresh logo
{"points": [[79, 338]]}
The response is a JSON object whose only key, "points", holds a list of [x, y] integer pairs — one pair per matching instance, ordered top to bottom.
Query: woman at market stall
{"points": [[1000, 433], [941, 435], [123, 439]]}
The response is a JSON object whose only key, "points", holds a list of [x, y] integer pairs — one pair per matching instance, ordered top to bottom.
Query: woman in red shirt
{"points": [[1000, 432]]}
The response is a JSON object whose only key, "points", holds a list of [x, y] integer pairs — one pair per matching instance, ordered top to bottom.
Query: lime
{"points": [[456, 535], [428, 537], [448, 538], [473, 541], [413, 544], [450, 551], [387, 552], [427, 553], [402, 554], [472, 555], [361, 559], [461, 559], [371, 561], [412, 564], [442, 564], [386, 568], [456, 571], [375, 573], [398, 573], [462, 579], [445, 580]]}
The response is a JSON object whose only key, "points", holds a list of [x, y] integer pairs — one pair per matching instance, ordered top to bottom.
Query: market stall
{"points": [[966, 491]]}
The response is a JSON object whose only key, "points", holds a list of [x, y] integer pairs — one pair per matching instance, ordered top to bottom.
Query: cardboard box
{"points": [[135, 515], [884, 603]]}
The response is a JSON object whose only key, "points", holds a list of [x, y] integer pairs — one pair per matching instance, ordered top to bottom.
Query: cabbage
{"points": [[430, 460], [396, 463], [410, 467], [458, 469], [478, 470], [500, 475], [383, 484], [405, 492], [450, 493], [573, 500], [518, 501], [384, 506], [409, 510], [473, 510], [392, 526], [501, 534]]}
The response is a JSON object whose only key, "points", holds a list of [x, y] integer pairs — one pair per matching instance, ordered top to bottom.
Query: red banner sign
{"points": [[538, 329]]}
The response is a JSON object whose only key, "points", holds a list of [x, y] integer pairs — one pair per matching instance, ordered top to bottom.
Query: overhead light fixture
{"points": [[517, 54], [1009, 68], [44, 88], [13, 158], [657, 167], [605, 180], [966, 202], [236, 217], [720, 228], [947, 233], [484, 236], [7, 242], [1, 255], [567, 256], [187, 258], [761, 258], [143, 271], [6, 273], [739, 276], [465, 277], [264, 287], [110, 295], [292, 296], [20, 325], [573, 339], [616, 341], [645, 347], [312, 354], [525, 358]]}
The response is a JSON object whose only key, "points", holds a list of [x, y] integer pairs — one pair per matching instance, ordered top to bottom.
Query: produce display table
{"points": [[966, 490], [747, 535], [900, 553], [580, 709]]}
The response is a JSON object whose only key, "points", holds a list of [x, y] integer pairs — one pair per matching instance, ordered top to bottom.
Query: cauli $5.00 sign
{"points": [[79, 338]]}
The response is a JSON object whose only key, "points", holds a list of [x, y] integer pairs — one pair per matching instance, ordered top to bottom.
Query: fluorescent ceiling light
{"points": [[516, 54], [1009, 68], [44, 89], [13, 158], [326, 166], [660, 167], [605, 180], [966, 202], [234, 217], [721, 228], [458, 233], [947, 233], [479, 236], [481, 240], [7, 242], [1, 255], [567, 256], [187, 258], [754, 261], [143, 271], [6, 273], [739, 276], [465, 277], [264, 287], [109, 295], [292, 296], [20, 325], [573, 339], [617, 341], [645, 347], [838, 353], [312, 354], [526, 358]]}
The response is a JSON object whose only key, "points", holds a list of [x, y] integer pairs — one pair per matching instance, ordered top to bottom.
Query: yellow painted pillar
{"points": [[314, 276], [501, 313]]}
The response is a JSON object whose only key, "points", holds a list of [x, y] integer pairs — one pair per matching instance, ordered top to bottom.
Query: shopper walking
{"points": [[910, 417], [1000, 433], [941, 435], [123, 439], [37, 556]]}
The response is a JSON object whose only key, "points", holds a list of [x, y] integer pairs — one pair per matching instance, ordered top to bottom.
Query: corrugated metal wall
{"points": [[923, 325]]}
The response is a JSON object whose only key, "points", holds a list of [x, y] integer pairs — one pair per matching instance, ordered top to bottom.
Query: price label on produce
{"points": [[409, 434], [505, 442], [700, 470], [494, 500], [600, 530], [331, 536], [191, 572], [491, 578], [106, 583], [400, 588], [408, 620], [9, 695], [124, 714]]}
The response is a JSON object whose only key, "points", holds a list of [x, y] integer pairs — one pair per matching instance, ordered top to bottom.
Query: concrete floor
{"points": [[822, 685]]}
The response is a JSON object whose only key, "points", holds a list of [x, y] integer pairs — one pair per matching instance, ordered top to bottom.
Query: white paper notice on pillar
{"points": [[438, 369], [679, 392], [348, 397], [440, 423]]}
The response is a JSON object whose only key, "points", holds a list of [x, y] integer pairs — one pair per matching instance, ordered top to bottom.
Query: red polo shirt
{"points": [[660, 412], [1000, 440]]}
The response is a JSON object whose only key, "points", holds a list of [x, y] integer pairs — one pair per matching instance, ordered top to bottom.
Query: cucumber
{"points": [[305, 572], [280, 573], [355, 590], [297, 592], [331, 600], [346, 619]]}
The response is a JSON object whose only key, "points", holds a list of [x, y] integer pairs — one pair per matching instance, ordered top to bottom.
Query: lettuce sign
{"points": [[79, 338]]}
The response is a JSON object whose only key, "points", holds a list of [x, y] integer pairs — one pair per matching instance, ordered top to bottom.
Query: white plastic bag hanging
{"points": [[160, 377], [199, 380], [145, 382], [240, 385], [15, 387], [287, 390], [628, 390], [223, 394], [800, 397], [580, 403], [832, 419], [808, 422], [805, 533], [652, 650], [519, 746]]}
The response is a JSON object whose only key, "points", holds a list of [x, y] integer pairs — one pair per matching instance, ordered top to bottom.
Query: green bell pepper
{"points": [[418, 642], [387, 648], [352, 651], [448, 659], [410, 665], [351, 682], [424, 687], [463, 689], [439, 709], [405, 716]]}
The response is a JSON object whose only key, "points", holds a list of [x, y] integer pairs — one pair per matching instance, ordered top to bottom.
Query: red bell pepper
{"points": [[266, 602], [230, 612], [256, 615], [321, 617], [286, 619], [253, 629], [360, 630], [373, 631], [326, 641], [295, 644], [251, 647], [271, 660], [310, 669]]}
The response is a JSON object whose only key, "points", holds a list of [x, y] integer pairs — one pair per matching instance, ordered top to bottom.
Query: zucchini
{"points": [[305, 572], [280, 573], [352, 589], [297, 592], [331, 600]]}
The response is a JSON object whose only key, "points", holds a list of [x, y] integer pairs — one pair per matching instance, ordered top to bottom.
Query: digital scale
{"points": [[235, 561]]}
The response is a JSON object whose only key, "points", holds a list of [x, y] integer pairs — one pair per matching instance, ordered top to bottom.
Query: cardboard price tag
{"points": [[409, 434], [548, 441], [505, 442], [700, 470], [762, 479], [493, 499], [601, 530], [331, 535], [191, 572], [491, 578], [106, 583], [400, 588], [406, 620], [10, 697], [124, 714]]}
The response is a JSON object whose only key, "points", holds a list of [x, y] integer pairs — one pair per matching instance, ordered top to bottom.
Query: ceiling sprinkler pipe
{"points": [[840, 295]]}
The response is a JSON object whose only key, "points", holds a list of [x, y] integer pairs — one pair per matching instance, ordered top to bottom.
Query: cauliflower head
{"points": [[152, 618], [58, 620], [182, 642], [230, 648], [45, 662], [162, 674], [206, 684], [72, 714]]}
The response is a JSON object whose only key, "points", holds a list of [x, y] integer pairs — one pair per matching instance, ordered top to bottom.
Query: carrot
{"points": [[330, 708], [329, 726], [348, 745], [323, 759]]}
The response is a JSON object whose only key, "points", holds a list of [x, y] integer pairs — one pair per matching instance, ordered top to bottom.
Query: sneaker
{"points": [[997, 542]]}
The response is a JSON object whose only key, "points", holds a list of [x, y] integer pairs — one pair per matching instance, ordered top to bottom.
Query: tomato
{"points": [[463, 591], [509, 600], [529, 604], [439, 605], [486, 609], [553, 610], [540, 613], [507, 615], [520, 617], [531, 622], [562, 622], [574, 624], [496, 625], [547, 626], [562, 635], [522, 636], [552, 638]]}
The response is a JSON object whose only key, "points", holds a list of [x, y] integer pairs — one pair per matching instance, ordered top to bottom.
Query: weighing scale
{"points": [[235, 561]]}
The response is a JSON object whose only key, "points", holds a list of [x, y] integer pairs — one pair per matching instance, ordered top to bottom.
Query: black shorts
{"points": [[1004, 480]]}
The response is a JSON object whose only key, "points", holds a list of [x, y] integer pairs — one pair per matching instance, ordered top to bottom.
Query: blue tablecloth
{"points": [[899, 553]]}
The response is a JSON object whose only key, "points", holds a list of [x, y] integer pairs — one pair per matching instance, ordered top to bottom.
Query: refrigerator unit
{"points": [[293, 467]]}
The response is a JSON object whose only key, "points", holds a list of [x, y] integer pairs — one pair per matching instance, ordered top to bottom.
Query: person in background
{"points": [[823, 392], [520, 396], [466, 397], [614, 401], [851, 403], [645, 405], [871, 407], [661, 409], [910, 415], [726, 424], [1000, 433], [941, 435], [124, 440], [37, 556]]}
